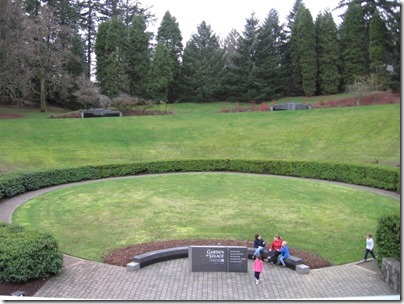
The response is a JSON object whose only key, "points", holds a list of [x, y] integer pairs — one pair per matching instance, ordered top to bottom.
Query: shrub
{"points": [[367, 175], [388, 238], [27, 254]]}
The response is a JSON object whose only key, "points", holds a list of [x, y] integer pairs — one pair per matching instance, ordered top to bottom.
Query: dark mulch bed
{"points": [[145, 112], [126, 113], [10, 115], [121, 257], [30, 288]]}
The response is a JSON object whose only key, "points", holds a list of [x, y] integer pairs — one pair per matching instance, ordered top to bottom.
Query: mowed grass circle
{"points": [[91, 220]]}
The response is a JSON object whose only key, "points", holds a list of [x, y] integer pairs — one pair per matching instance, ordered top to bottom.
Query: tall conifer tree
{"points": [[169, 33], [378, 43], [354, 44], [303, 53], [138, 57], [328, 59], [112, 65], [202, 65], [269, 71], [161, 73], [240, 75]]}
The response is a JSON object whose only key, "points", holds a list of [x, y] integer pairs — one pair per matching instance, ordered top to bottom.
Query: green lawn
{"points": [[353, 134], [90, 220]]}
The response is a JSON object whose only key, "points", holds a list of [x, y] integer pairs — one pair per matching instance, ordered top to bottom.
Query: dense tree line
{"points": [[49, 47]]}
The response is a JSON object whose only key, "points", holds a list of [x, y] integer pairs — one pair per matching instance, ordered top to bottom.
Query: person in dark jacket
{"points": [[259, 245]]}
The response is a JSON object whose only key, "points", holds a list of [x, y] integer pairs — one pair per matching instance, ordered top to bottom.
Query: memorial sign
{"points": [[238, 257], [217, 259]]}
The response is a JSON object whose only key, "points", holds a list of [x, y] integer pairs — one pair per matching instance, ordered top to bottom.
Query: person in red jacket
{"points": [[274, 248]]}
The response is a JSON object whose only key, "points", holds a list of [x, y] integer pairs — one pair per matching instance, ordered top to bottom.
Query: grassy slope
{"points": [[358, 134]]}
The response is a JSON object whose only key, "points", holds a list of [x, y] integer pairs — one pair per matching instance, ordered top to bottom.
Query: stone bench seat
{"points": [[162, 255]]}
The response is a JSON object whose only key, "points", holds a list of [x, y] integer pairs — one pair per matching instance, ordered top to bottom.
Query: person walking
{"points": [[369, 248], [258, 267]]}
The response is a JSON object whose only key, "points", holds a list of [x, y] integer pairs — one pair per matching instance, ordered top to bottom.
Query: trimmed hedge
{"points": [[367, 175], [388, 235], [27, 254]]}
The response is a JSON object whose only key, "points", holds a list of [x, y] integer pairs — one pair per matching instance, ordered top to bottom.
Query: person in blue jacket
{"points": [[259, 245], [284, 253]]}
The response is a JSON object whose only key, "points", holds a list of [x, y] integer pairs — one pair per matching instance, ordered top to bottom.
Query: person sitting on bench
{"points": [[259, 245], [274, 248]]}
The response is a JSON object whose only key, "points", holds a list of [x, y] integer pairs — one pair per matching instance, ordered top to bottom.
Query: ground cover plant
{"points": [[92, 220]]}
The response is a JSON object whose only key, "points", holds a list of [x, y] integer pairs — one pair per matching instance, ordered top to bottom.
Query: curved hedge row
{"points": [[366, 175]]}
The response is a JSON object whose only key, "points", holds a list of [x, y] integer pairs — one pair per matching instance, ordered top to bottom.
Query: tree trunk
{"points": [[43, 95]]}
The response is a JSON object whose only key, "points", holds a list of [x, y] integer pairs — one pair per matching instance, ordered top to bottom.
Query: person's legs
{"points": [[256, 252], [373, 254], [366, 255], [274, 256], [281, 260], [257, 277]]}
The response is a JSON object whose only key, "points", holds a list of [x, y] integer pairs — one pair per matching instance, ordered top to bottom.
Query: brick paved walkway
{"points": [[171, 280]]}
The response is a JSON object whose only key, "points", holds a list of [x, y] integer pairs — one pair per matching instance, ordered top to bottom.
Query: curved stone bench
{"points": [[157, 256], [152, 257]]}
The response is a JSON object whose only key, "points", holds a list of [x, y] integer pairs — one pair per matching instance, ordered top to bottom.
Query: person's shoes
{"points": [[253, 257], [364, 261], [283, 265], [257, 282]]}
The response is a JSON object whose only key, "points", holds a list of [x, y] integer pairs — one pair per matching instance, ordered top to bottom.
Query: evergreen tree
{"points": [[32, 7], [124, 9], [66, 12], [390, 12], [292, 15], [88, 23], [169, 33], [378, 43], [354, 44], [230, 46], [286, 49], [100, 53], [303, 53], [138, 57], [112, 63], [328, 63], [202, 66], [269, 72], [161, 74], [240, 78]]}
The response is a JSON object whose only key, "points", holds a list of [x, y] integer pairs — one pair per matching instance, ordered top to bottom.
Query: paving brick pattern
{"points": [[172, 280]]}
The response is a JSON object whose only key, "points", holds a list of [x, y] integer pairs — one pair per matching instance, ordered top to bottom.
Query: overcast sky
{"points": [[223, 15]]}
